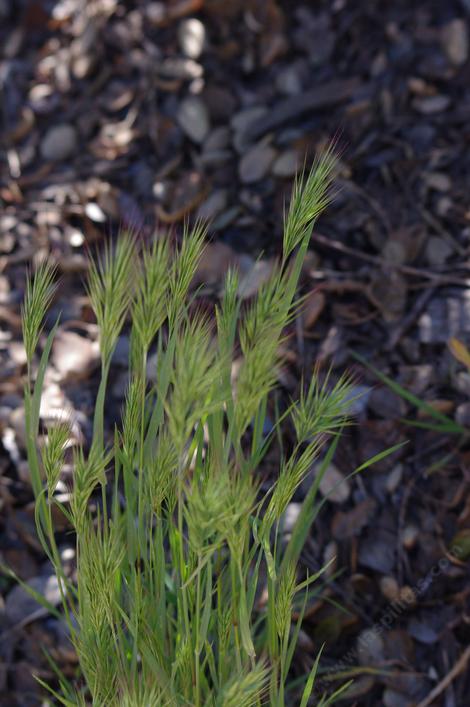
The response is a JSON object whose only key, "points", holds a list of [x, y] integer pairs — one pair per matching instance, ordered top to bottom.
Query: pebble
{"points": [[191, 37], [454, 40], [180, 68], [288, 81], [221, 104], [431, 104], [246, 117], [193, 118], [218, 139], [59, 142], [214, 158], [255, 164], [287, 164], [439, 181], [213, 205], [444, 205], [95, 212], [438, 251], [215, 261], [253, 273], [121, 352], [73, 356], [461, 382], [357, 400], [386, 404], [462, 414], [394, 478], [334, 485], [290, 516], [409, 537], [377, 552], [390, 588], [20, 605], [422, 632], [370, 647], [392, 698]]}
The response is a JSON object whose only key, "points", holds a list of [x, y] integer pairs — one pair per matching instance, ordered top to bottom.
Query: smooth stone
{"points": [[191, 37], [454, 40], [288, 81], [430, 105], [246, 117], [193, 118], [218, 139], [59, 142], [255, 163], [287, 164], [213, 205], [437, 251], [333, 485]]}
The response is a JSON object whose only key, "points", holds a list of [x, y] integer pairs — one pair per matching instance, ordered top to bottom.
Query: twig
{"points": [[320, 97], [383, 262], [410, 318], [445, 682]]}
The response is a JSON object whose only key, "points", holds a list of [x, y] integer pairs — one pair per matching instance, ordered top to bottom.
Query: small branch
{"points": [[436, 278], [445, 682]]}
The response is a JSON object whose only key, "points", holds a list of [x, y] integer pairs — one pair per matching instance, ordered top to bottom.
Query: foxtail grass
{"points": [[185, 588]]}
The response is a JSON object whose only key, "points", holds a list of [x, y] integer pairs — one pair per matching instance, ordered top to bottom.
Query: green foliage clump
{"points": [[185, 588]]}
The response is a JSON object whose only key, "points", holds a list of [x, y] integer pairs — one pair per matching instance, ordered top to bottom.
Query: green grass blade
{"points": [[448, 423], [310, 681]]}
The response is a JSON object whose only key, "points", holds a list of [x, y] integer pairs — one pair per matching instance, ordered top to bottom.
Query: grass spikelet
{"points": [[40, 290], [110, 290]]}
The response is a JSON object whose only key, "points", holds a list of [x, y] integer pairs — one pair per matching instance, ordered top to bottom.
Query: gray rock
{"points": [[4, 9], [191, 37], [454, 40], [180, 68], [288, 81], [431, 104], [246, 117], [193, 118], [218, 139], [59, 142], [213, 158], [255, 163], [287, 164], [439, 181], [214, 205], [437, 251], [386, 404], [462, 414], [394, 478], [333, 485], [377, 552], [20, 605], [422, 632], [370, 647], [392, 698]]}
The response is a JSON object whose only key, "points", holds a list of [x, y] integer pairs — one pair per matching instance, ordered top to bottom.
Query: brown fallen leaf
{"points": [[313, 307], [459, 351], [350, 523]]}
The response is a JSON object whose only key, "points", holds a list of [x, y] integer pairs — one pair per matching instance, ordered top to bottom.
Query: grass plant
{"points": [[185, 588]]}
